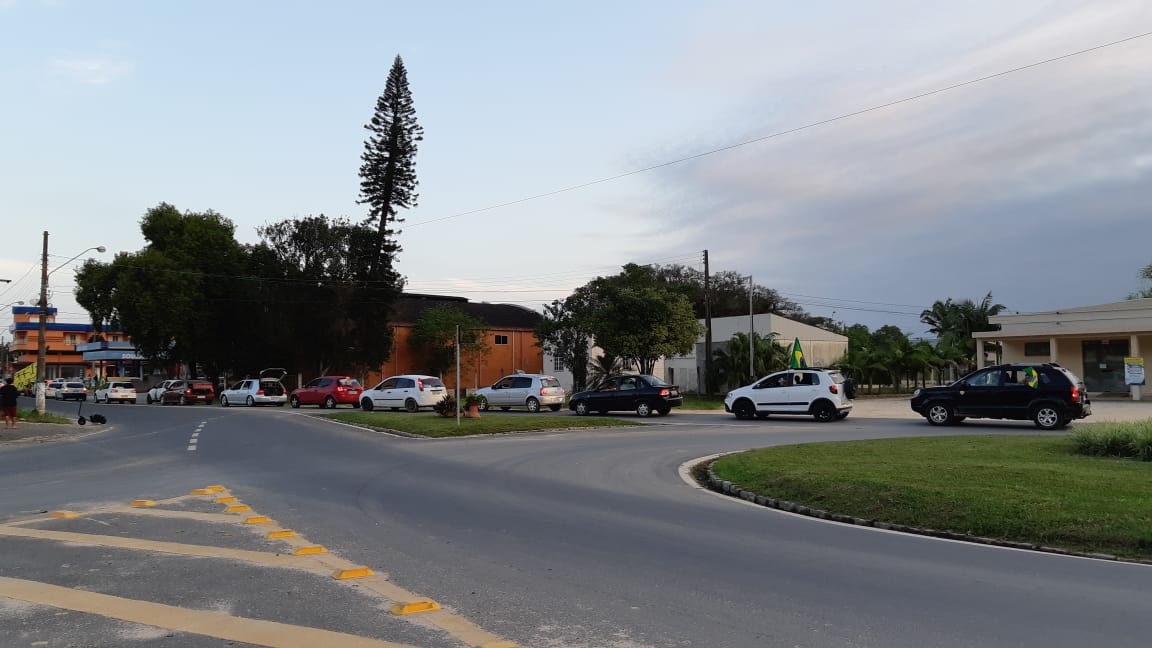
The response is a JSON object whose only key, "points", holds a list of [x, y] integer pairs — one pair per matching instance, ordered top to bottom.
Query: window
{"points": [[70, 338], [501, 340], [1038, 349], [558, 364], [987, 378], [405, 383], [521, 383], [387, 384]]}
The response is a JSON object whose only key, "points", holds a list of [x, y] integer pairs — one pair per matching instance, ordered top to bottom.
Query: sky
{"points": [[561, 142]]}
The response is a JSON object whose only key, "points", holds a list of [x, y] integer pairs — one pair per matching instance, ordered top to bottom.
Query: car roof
{"points": [[421, 376]]}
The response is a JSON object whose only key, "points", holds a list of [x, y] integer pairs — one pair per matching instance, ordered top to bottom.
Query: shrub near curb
{"points": [[1110, 439]]}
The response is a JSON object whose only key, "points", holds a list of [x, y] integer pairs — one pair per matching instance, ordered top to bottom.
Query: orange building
{"points": [[511, 341], [66, 343]]}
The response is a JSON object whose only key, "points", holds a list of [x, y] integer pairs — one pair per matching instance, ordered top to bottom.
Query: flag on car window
{"points": [[796, 358], [1031, 378]]}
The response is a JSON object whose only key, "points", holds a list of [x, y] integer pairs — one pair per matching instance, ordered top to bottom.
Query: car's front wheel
{"points": [[366, 404], [533, 405], [581, 408], [743, 409], [940, 414], [1047, 417]]}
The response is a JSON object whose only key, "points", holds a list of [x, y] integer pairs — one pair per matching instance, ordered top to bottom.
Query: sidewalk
{"points": [[1102, 410], [46, 432]]}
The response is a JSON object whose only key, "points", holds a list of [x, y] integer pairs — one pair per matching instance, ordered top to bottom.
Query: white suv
{"points": [[523, 390], [822, 393]]}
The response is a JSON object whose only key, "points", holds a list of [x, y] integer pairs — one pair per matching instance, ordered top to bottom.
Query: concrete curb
{"points": [[718, 485]]}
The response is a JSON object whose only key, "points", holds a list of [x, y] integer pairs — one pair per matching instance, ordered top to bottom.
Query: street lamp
{"points": [[42, 347]]}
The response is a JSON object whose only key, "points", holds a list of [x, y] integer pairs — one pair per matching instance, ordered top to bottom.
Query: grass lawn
{"points": [[698, 402], [31, 416], [434, 425], [1025, 489]]}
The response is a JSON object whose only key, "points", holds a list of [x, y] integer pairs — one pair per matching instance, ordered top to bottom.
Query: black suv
{"points": [[1045, 393]]}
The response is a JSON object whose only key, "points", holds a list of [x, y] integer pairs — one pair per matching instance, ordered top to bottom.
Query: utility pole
{"points": [[707, 328], [751, 332], [42, 342]]}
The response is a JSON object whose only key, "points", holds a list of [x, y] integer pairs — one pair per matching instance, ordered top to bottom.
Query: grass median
{"points": [[32, 416], [434, 425], [1033, 489]]}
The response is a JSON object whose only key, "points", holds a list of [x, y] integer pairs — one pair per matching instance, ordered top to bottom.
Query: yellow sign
{"points": [[26, 376]]}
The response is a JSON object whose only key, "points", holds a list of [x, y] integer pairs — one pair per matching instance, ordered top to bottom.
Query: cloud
{"points": [[92, 71]]}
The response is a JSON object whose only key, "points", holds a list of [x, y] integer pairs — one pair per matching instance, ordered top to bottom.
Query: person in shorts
{"points": [[9, 395]]}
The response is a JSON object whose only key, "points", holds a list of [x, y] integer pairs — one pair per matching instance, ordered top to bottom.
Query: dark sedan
{"points": [[643, 394]]}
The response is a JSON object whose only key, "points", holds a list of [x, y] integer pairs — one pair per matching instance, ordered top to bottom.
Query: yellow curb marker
{"points": [[215, 489], [201, 491], [226, 500], [143, 503], [238, 508], [65, 514], [259, 519], [280, 534], [308, 551], [345, 574], [415, 607], [501, 644]]}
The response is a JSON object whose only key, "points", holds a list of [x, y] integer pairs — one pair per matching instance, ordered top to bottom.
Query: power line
{"points": [[776, 134]]}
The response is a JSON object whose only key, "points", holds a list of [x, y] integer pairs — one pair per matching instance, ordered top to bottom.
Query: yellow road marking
{"points": [[143, 503], [200, 622]]}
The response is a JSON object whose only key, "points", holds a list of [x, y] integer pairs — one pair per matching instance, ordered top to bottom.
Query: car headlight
{"points": [[915, 393]]}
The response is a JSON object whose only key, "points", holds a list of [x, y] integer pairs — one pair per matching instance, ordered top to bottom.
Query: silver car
{"points": [[265, 390], [523, 390]]}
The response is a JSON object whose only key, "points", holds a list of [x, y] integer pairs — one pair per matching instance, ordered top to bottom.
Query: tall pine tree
{"points": [[388, 169]]}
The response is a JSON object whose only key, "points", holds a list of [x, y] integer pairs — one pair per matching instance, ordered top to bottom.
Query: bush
{"points": [[446, 406], [1129, 439]]}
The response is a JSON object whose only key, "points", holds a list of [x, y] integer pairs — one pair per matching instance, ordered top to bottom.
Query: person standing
{"points": [[9, 396]]}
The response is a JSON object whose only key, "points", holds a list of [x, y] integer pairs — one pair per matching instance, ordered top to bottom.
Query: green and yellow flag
{"points": [[796, 358], [1031, 378]]}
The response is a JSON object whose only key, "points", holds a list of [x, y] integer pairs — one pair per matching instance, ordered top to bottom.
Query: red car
{"points": [[188, 392], [328, 392]]}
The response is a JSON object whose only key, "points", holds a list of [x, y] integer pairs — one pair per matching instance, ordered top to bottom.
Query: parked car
{"points": [[51, 387], [265, 390], [523, 390], [72, 391], [120, 391], [188, 392], [328, 392], [410, 392], [1045, 393], [823, 394], [153, 395], [646, 395]]}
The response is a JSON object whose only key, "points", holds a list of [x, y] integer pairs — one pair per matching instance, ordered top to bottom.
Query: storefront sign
{"points": [[1134, 371]]}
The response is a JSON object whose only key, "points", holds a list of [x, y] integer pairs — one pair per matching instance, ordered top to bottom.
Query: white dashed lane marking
{"points": [[195, 437]]}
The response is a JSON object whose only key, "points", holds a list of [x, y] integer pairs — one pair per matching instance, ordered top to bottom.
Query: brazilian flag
{"points": [[796, 358], [1031, 378]]}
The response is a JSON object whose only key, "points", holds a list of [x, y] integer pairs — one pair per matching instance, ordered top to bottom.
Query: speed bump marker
{"points": [[215, 489], [201, 491], [227, 500], [143, 503], [238, 508], [67, 515], [258, 519], [280, 534], [308, 551], [359, 572], [414, 607]]}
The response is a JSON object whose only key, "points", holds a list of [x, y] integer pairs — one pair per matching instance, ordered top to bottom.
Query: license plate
{"points": [[353, 391], [674, 393]]}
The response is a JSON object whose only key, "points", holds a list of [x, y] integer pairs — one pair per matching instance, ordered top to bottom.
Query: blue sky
{"points": [[1034, 186]]}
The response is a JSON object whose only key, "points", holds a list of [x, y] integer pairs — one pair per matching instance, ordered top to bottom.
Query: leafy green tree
{"points": [[388, 169], [1145, 276], [729, 291], [635, 317], [954, 322], [562, 336], [434, 338]]}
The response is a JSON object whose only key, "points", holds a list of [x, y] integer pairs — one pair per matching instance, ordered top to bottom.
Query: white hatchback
{"points": [[265, 390], [523, 390], [122, 391], [409, 392], [821, 393]]}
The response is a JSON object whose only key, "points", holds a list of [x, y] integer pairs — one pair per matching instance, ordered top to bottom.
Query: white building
{"points": [[1091, 341], [821, 348]]}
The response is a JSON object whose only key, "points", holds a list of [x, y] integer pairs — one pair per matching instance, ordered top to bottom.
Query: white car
{"points": [[52, 387], [265, 390], [523, 390], [72, 391], [117, 391], [409, 392], [821, 393], [153, 395]]}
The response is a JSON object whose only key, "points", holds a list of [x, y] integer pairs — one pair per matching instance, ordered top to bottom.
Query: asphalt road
{"points": [[581, 539]]}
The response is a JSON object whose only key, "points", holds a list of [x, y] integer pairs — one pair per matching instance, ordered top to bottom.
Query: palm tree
{"points": [[955, 322], [603, 366], [730, 366]]}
